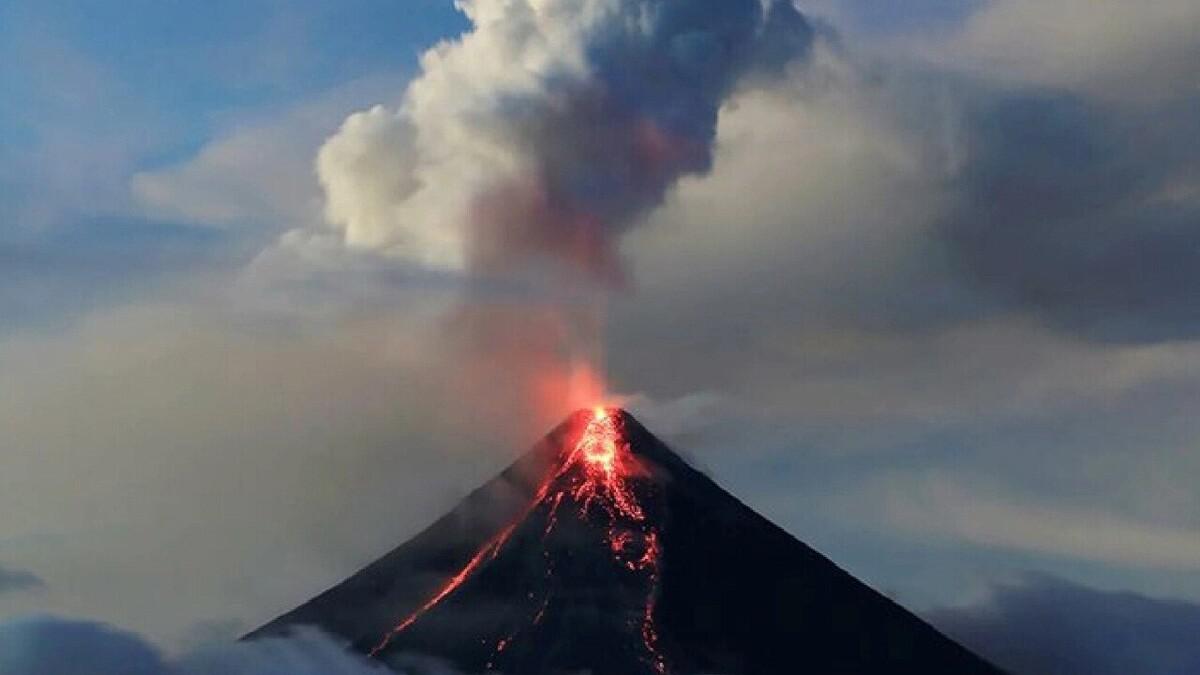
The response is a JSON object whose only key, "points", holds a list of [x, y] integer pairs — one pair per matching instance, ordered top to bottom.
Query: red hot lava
{"points": [[597, 475]]}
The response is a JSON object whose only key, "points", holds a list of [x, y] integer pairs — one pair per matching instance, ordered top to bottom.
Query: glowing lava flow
{"points": [[607, 466], [598, 473]]}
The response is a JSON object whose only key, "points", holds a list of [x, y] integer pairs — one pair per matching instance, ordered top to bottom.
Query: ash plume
{"points": [[547, 130], [524, 150]]}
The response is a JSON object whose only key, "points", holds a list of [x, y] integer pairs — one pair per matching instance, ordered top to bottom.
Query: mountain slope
{"points": [[602, 551]]}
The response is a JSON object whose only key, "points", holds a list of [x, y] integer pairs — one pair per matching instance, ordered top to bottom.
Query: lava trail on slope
{"points": [[606, 485], [602, 551]]}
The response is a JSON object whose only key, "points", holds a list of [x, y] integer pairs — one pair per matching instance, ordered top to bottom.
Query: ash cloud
{"points": [[546, 132]]}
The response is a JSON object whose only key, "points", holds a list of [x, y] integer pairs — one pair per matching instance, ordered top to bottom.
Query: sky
{"points": [[916, 280]]}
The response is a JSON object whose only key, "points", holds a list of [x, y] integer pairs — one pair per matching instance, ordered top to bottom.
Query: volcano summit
{"points": [[601, 551]]}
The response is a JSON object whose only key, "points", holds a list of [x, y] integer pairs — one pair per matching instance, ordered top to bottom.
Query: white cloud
{"points": [[1113, 49], [366, 169], [260, 172], [218, 460], [941, 506], [42, 645]]}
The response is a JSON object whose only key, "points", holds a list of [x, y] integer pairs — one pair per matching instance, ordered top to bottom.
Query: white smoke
{"points": [[548, 129]]}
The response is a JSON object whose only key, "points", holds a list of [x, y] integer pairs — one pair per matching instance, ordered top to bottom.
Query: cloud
{"points": [[1114, 50], [366, 167], [259, 173], [914, 200], [1075, 201], [1071, 211], [56, 276], [681, 417], [220, 457], [942, 506], [19, 580], [1043, 626], [40, 645], [44, 645]]}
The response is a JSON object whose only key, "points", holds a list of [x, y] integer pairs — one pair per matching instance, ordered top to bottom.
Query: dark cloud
{"points": [[1066, 209], [19, 580], [1048, 626], [46, 645]]}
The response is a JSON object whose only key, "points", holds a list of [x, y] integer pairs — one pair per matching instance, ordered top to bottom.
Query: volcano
{"points": [[601, 551]]}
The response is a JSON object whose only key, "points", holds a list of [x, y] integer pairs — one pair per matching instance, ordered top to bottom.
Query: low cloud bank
{"points": [[1043, 625], [41, 645]]}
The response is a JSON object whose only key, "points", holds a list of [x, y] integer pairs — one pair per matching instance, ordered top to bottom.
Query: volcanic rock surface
{"points": [[601, 551]]}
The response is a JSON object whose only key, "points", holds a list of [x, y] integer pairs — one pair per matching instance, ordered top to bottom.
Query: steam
{"points": [[546, 131]]}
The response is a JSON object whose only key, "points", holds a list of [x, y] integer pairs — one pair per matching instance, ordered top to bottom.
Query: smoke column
{"points": [[526, 147]]}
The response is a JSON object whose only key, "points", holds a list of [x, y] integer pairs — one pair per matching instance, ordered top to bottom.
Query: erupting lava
{"points": [[606, 461], [596, 475]]}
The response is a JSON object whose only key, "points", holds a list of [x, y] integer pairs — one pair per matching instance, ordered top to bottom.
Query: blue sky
{"points": [[194, 67], [159, 80], [98, 91], [931, 308]]}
